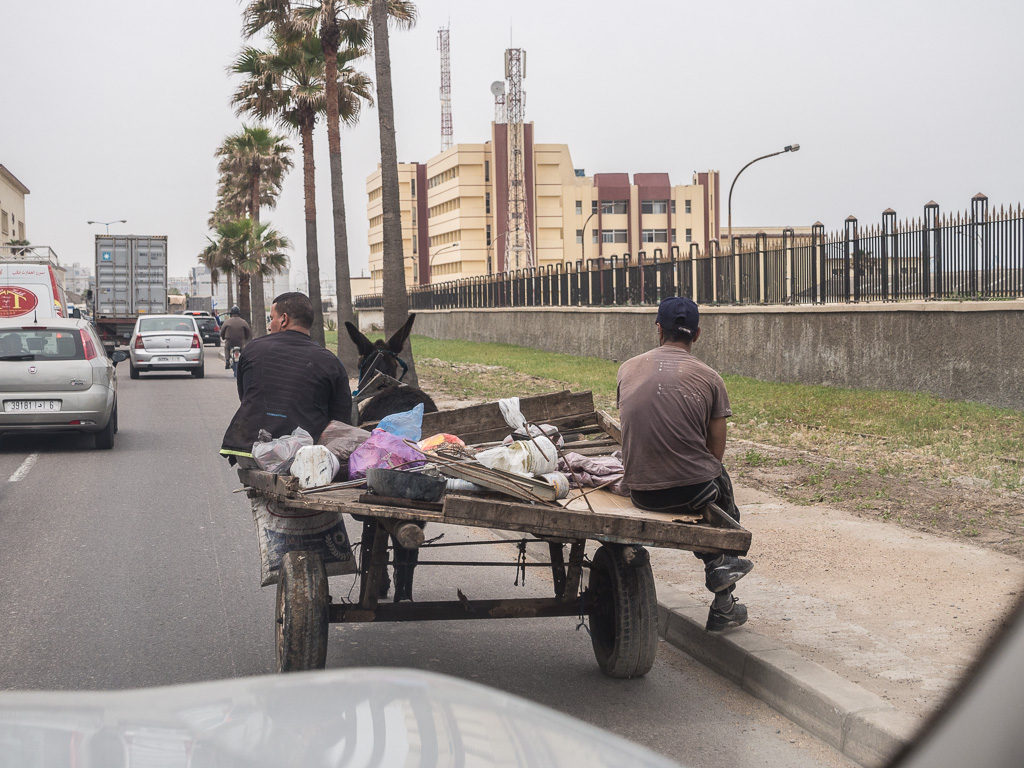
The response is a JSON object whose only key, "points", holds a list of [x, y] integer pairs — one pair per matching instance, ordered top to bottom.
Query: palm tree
{"points": [[329, 20], [287, 83], [253, 164], [230, 207], [250, 247], [214, 259], [396, 300]]}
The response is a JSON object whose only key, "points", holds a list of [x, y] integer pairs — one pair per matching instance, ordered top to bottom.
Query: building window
{"points": [[487, 170], [412, 187], [487, 202], [593, 206], [613, 206], [653, 206], [579, 207], [672, 207], [688, 207], [3, 222], [21, 230], [488, 235], [613, 235], [674, 235], [689, 235], [593, 236], [653, 236], [579, 237], [414, 244]]}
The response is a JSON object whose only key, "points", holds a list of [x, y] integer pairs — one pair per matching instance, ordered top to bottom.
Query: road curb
{"points": [[858, 723]]}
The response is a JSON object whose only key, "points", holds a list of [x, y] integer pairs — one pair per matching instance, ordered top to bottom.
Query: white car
{"points": [[166, 343], [54, 377]]}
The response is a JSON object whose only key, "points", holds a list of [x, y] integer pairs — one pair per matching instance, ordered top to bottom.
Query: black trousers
{"points": [[686, 499]]}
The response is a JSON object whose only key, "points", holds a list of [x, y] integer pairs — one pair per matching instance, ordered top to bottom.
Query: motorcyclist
{"points": [[235, 332]]}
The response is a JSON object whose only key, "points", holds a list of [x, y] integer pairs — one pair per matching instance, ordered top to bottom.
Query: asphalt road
{"points": [[138, 567]]}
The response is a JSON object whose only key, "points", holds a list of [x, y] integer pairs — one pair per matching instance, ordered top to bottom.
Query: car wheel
{"points": [[133, 372], [199, 372], [105, 438]]}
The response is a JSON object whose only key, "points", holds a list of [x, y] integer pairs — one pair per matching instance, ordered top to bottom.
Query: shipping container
{"points": [[131, 275], [201, 303]]}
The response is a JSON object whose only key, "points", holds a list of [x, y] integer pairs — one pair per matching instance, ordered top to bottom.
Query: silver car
{"points": [[166, 343], [54, 377]]}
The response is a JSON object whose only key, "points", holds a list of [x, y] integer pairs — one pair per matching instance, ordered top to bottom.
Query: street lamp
{"points": [[788, 148], [108, 223], [583, 237], [490, 246], [430, 261]]}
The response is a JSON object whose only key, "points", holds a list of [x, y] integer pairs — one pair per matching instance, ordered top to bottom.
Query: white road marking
{"points": [[26, 465]]}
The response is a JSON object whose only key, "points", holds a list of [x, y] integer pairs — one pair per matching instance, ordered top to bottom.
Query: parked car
{"points": [[197, 313], [209, 329], [166, 343], [54, 377]]}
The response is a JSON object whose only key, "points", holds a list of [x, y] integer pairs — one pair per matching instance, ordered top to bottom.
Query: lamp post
{"points": [[788, 148], [108, 223], [583, 238], [490, 246], [430, 261]]}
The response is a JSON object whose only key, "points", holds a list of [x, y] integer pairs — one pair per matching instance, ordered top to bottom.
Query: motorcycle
{"points": [[233, 355]]}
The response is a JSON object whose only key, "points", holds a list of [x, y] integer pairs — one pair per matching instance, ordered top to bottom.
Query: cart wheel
{"points": [[301, 613], [623, 613]]}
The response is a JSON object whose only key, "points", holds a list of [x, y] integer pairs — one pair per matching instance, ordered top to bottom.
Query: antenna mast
{"points": [[446, 89], [518, 251]]}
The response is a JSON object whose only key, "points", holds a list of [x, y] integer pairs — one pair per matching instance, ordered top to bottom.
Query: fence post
{"points": [[979, 232], [788, 236], [850, 238], [761, 244], [933, 259], [890, 260], [818, 261], [736, 268]]}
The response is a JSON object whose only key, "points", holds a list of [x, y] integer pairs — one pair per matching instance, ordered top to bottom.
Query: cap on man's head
{"points": [[236, 311], [679, 314]]}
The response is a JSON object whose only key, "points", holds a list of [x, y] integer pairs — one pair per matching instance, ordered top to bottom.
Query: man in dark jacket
{"points": [[235, 332], [287, 380]]}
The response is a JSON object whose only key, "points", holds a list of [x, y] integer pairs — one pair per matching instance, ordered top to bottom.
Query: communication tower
{"points": [[446, 89], [498, 91], [518, 251]]}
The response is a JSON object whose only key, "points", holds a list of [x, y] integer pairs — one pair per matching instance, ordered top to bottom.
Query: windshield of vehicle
{"points": [[206, 323], [164, 324], [41, 344]]}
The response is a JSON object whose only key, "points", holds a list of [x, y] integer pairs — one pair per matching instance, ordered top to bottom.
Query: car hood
{"points": [[339, 718]]}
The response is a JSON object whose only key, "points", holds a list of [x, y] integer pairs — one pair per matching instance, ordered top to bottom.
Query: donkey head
{"points": [[380, 355]]}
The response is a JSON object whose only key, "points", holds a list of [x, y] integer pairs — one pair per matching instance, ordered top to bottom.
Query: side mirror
{"points": [[119, 356]]}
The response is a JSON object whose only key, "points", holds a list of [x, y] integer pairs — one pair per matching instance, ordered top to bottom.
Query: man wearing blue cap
{"points": [[673, 409]]}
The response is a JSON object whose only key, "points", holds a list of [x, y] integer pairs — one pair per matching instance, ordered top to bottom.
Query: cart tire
{"points": [[623, 613], [302, 621]]}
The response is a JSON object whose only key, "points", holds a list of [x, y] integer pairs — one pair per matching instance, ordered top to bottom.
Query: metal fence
{"points": [[973, 255]]}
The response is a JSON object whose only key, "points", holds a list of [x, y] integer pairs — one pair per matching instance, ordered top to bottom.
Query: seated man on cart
{"points": [[287, 380], [672, 409]]}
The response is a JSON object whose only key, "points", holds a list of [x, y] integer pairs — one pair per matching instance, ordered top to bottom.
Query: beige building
{"points": [[12, 207], [455, 211]]}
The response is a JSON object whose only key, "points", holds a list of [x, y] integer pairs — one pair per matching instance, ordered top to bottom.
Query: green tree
{"points": [[252, 167]]}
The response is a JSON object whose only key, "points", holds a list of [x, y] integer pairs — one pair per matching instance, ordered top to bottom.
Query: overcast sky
{"points": [[112, 109]]}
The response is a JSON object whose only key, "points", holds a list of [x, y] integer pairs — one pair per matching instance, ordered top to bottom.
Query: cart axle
{"points": [[451, 610]]}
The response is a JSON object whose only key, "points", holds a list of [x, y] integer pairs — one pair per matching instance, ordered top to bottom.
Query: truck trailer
{"points": [[131, 280]]}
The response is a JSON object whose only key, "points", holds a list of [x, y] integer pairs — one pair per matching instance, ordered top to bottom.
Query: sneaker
{"points": [[725, 572], [719, 620]]}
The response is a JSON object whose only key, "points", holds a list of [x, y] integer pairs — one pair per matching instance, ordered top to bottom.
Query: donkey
{"points": [[383, 356]]}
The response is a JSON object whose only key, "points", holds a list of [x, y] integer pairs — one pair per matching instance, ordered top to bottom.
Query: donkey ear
{"points": [[396, 342], [363, 344]]}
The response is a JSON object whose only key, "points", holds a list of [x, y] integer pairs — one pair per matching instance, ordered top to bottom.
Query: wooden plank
{"points": [[480, 423], [610, 426], [268, 482], [390, 501], [608, 503], [640, 528]]}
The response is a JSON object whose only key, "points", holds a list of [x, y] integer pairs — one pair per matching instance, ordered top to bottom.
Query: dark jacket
{"points": [[287, 380]]}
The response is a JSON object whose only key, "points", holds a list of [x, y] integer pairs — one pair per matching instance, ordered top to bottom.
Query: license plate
{"points": [[169, 359], [30, 406]]}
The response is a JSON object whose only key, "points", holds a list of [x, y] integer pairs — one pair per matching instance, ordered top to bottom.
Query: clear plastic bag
{"points": [[408, 424], [383, 450], [277, 455]]}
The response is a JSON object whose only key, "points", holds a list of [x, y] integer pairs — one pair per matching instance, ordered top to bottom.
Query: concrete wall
{"points": [[961, 351]]}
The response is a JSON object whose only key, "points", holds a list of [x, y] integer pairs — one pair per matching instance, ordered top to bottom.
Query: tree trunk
{"points": [[312, 256], [228, 280], [243, 297], [257, 299], [396, 300], [346, 350]]}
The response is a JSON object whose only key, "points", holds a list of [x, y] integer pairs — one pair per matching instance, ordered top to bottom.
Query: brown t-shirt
{"points": [[666, 398]]}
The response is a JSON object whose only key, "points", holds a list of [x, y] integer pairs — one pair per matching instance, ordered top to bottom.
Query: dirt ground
{"points": [[894, 581]]}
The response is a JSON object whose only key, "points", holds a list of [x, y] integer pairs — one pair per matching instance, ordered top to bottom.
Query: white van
{"points": [[31, 284]]}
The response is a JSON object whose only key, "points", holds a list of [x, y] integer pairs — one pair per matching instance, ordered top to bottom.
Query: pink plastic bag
{"points": [[383, 450]]}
